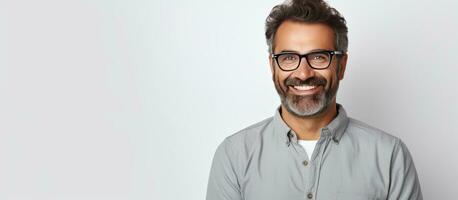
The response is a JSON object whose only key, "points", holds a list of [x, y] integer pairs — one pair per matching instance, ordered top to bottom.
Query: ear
{"points": [[343, 66], [272, 67]]}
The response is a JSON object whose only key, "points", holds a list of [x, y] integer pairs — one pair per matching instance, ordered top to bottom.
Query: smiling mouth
{"points": [[304, 89]]}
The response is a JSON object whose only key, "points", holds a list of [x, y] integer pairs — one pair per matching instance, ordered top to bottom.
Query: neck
{"points": [[309, 128]]}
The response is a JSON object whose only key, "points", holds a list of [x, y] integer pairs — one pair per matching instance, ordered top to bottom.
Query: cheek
{"points": [[280, 78], [331, 79], [335, 80]]}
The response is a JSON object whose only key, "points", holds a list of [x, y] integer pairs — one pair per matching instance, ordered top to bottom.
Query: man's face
{"points": [[306, 92]]}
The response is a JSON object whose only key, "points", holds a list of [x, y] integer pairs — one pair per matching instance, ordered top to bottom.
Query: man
{"points": [[310, 149]]}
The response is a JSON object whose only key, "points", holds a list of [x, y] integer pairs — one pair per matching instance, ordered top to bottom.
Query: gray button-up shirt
{"points": [[351, 161]]}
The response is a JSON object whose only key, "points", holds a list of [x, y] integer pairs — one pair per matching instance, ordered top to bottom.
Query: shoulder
{"points": [[251, 130], [363, 133], [248, 135], [370, 143], [237, 147]]}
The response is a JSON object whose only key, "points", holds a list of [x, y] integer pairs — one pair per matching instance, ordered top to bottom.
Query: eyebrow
{"points": [[292, 51]]}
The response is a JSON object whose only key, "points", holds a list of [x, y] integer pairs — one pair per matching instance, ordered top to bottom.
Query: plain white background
{"points": [[122, 100]]}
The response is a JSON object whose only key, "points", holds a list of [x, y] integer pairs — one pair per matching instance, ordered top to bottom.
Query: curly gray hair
{"points": [[307, 11]]}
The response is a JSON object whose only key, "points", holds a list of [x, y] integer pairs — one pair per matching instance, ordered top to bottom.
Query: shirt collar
{"points": [[335, 128]]}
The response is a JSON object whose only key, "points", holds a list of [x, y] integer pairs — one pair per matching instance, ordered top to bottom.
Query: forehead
{"points": [[303, 37]]}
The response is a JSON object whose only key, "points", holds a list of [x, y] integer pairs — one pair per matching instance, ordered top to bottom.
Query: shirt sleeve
{"points": [[223, 183], [404, 183]]}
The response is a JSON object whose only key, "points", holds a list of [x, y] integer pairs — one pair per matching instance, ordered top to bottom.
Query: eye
{"points": [[319, 57], [288, 58]]}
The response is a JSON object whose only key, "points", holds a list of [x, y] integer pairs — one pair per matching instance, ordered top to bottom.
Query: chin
{"points": [[305, 109]]}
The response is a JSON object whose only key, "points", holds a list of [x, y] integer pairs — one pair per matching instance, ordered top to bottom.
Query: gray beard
{"points": [[307, 106]]}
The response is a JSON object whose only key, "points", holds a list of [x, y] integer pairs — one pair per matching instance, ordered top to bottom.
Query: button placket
{"points": [[305, 163], [310, 195]]}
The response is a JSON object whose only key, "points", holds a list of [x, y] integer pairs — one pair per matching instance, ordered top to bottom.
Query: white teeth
{"points": [[304, 87]]}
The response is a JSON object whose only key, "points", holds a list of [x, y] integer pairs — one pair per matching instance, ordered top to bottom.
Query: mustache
{"points": [[312, 81]]}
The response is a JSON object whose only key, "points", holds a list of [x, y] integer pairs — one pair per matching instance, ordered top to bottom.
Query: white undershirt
{"points": [[309, 146]]}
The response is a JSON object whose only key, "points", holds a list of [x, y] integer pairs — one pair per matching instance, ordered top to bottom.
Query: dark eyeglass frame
{"points": [[331, 55]]}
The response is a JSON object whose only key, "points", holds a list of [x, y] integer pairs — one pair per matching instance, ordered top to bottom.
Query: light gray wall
{"points": [[111, 99]]}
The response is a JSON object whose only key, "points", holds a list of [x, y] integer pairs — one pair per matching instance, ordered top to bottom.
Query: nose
{"points": [[304, 70]]}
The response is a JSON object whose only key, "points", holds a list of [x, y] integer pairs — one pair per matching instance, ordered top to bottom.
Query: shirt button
{"points": [[305, 163], [310, 195]]}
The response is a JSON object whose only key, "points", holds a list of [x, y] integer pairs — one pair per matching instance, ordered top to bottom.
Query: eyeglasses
{"points": [[290, 61]]}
